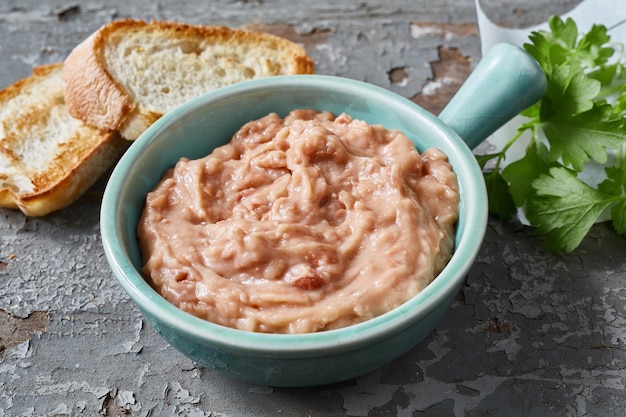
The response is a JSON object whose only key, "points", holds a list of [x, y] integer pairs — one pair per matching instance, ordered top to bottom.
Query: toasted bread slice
{"points": [[129, 73], [47, 158]]}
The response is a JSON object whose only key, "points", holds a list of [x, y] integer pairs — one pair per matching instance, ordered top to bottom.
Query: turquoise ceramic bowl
{"points": [[196, 128]]}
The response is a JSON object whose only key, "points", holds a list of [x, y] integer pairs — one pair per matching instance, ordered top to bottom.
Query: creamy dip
{"points": [[302, 224]]}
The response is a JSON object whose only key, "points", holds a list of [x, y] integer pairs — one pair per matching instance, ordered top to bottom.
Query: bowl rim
{"points": [[311, 344]]}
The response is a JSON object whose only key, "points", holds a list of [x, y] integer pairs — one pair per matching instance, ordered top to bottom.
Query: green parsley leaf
{"points": [[564, 33], [552, 48], [592, 51], [605, 74], [569, 93], [620, 104], [587, 135], [530, 166], [615, 182], [499, 199], [565, 208], [618, 216]]}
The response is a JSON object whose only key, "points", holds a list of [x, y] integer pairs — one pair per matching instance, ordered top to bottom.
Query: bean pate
{"points": [[300, 224]]}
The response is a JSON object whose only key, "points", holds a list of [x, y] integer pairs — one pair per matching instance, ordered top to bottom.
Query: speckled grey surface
{"points": [[530, 334]]}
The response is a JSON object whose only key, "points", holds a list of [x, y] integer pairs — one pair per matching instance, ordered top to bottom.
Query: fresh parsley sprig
{"points": [[581, 118]]}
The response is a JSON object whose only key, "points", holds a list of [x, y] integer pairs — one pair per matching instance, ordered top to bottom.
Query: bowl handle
{"points": [[506, 81]]}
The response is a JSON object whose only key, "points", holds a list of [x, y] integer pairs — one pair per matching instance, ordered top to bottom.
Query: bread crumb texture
{"points": [[163, 65]]}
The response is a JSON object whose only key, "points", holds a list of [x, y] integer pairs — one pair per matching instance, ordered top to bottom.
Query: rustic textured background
{"points": [[530, 334]]}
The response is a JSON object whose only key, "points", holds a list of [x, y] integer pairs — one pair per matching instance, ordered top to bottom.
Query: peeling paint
{"points": [[443, 30], [310, 39], [449, 72], [16, 331], [531, 333]]}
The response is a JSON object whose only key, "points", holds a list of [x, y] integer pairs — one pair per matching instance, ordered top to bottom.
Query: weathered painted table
{"points": [[530, 334]]}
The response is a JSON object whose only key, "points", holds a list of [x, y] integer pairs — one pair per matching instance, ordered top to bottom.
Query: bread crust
{"points": [[91, 94], [96, 97], [70, 163], [73, 181]]}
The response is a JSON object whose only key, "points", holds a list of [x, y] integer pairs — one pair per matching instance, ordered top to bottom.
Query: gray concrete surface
{"points": [[530, 334]]}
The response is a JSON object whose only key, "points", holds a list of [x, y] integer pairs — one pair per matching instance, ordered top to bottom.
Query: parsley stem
{"points": [[621, 22], [505, 148]]}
